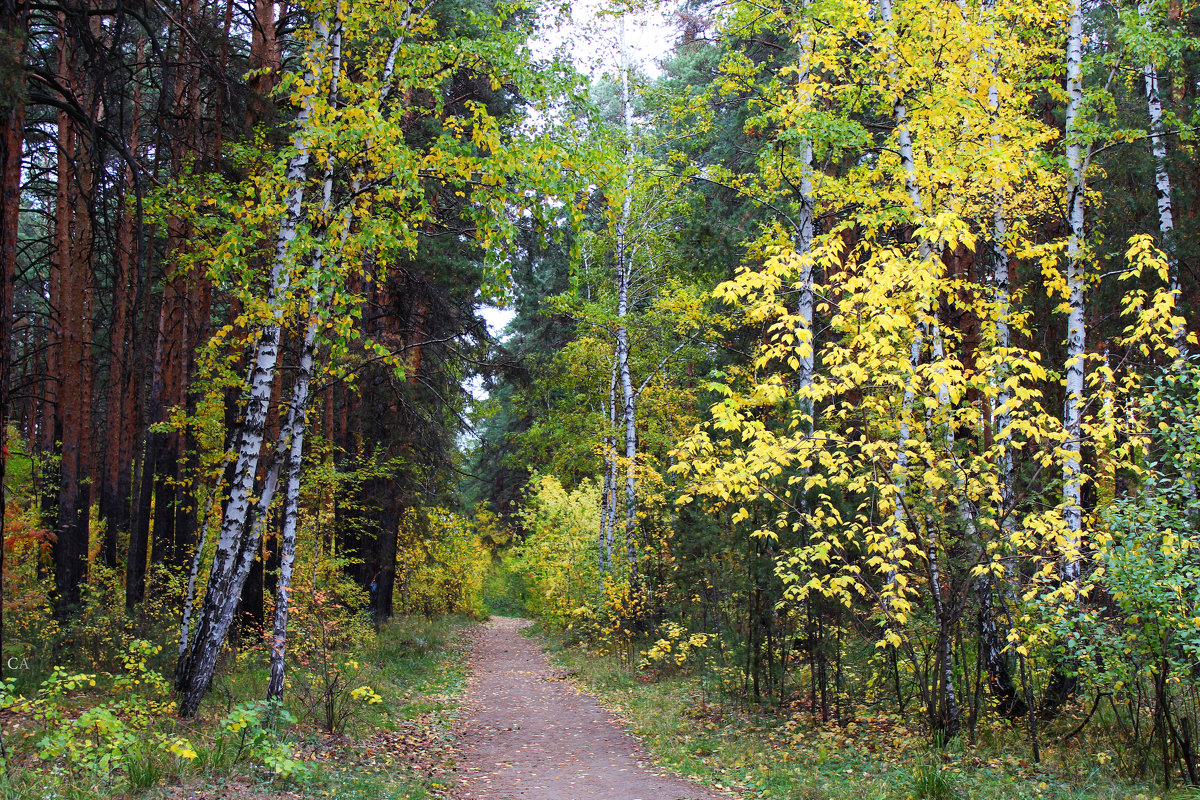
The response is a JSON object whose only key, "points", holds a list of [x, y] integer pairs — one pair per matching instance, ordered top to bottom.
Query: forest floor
{"points": [[527, 733], [766, 753]]}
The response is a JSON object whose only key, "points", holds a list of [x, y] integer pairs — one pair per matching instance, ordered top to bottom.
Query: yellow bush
{"points": [[559, 558], [440, 565]]}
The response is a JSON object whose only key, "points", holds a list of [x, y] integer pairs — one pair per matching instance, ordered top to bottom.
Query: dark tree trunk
{"points": [[12, 125], [73, 252], [385, 581]]}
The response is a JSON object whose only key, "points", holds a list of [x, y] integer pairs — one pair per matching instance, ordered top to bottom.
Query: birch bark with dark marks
{"points": [[230, 564]]}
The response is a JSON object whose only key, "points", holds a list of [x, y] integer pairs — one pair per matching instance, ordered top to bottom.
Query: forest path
{"points": [[528, 734]]}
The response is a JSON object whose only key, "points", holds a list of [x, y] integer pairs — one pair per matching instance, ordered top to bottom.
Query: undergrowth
{"points": [[504, 589], [87, 735], [765, 752]]}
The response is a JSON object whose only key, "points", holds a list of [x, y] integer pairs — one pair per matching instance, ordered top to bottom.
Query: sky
{"points": [[591, 36]]}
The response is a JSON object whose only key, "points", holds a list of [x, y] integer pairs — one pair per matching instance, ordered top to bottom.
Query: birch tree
{"points": [[400, 58], [1162, 178], [624, 275], [1076, 284], [889, 336], [235, 548]]}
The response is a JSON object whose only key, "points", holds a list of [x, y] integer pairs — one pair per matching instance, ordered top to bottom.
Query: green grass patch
{"points": [[394, 746], [766, 753]]}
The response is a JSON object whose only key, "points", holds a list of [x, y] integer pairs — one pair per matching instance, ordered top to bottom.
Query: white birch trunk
{"points": [[908, 165], [1162, 188], [624, 276], [922, 306], [1076, 334], [805, 339], [297, 422], [298, 425], [296, 428], [608, 506], [966, 513], [229, 567], [190, 596], [992, 641]]}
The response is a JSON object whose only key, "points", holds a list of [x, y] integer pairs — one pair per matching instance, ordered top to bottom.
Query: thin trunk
{"points": [[13, 21], [1162, 189], [73, 238], [624, 269], [1076, 279], [806, 343], [297, 425], [900, 479], [114, 501], [608, 509], [139, 537], [190, 595], [945, 616], [991, 634], [1062, 684]]}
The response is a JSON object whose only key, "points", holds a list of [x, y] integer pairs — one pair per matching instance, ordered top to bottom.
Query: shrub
{"points": [[559, 557], [675, 650]]}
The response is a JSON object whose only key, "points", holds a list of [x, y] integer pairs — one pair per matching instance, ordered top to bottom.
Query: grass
{"points": [[400, 744], [393, 749], [764, 753]]}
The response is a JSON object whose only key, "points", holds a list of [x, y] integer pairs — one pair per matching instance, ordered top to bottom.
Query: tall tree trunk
{"points": [[13, 22], [266, 60], [912, 189], [805, 230], [73, 252], [624, 277], [1076, 280], [297, 427], [608, 504], [139, 537], [235, 547], [992, 637], [1062, 684]]}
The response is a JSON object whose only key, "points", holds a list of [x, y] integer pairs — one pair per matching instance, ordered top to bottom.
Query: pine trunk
{"points": [[12, 128], [73, 253]]}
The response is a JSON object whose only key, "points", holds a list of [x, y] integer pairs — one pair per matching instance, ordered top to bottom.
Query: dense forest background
{"points": [[849, 365]]}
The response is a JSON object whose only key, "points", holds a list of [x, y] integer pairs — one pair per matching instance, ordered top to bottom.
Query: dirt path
{"points": [[529, 734]]}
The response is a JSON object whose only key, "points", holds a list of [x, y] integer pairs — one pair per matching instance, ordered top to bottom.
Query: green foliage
{"points": [[504, 592], [1141, 645], [328, 683], [255, 731], [105, 738], [790, 753], [932, 782]]}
